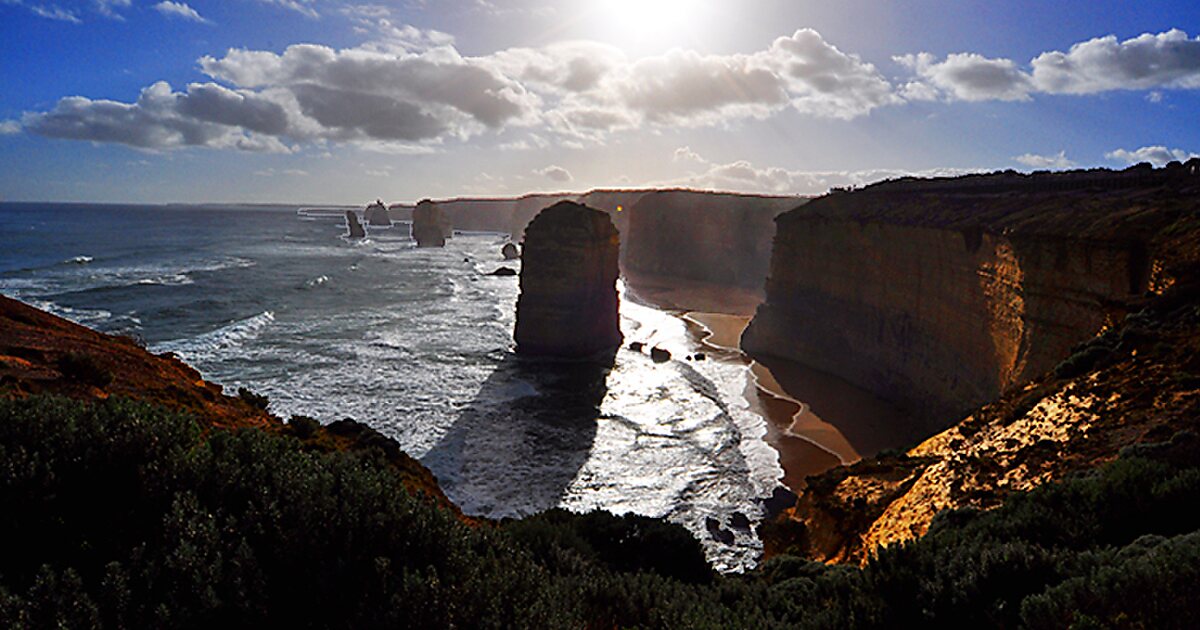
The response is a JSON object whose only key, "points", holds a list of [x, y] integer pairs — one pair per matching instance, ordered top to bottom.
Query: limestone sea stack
{"points": [[377, 214], [429, 225], [356, 228], [510, 251], [568, 302]]}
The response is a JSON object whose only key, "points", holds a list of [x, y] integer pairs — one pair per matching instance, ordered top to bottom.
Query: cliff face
{"points": [[712, 238], [942, 298], [568, 301]]}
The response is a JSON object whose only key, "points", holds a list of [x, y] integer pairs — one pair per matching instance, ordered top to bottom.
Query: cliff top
{"points": [[596, 191], [1135, 204], [570, 220]]}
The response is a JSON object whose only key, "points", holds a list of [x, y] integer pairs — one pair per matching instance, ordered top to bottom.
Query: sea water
{"points": [[417, 343]]}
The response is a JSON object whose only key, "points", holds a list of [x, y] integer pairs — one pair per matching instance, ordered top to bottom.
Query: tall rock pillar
{"points": [[429, 226], [568, 303]]}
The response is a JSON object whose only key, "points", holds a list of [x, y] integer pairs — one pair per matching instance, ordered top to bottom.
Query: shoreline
{"points": [[815, 421], [806, 444]]}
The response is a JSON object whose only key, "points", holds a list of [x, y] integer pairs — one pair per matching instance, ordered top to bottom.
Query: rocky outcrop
{"points": [[377, 214], [429, 226], [356, 228], [712, 238], [510, 251], [940, 296], [568, 302]]}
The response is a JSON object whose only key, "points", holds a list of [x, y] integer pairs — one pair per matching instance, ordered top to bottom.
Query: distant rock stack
{"points": [[377, 214], [429, 225], [356, 228], [510, 251], [568, 302]]}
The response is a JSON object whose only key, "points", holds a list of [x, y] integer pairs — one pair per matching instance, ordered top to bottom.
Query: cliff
{"points": [[680, 236], [941, 295], [568, 303], [1069, 304]]}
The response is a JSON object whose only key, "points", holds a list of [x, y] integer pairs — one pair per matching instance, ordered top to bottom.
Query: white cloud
{"points": [[304, 7], [109, 8], [180, 10], [54, 12], [1167, 60], [802, 71], [965, 77], [409, 88], [364, 94], [207, 115], [9, 127], [686, 154], [1156, 155], [1056, 161], [292, 172], [555, 174], [744, 176]]}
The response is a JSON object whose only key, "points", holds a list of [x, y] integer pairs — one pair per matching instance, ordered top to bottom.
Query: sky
{"points": [[335, 101]]}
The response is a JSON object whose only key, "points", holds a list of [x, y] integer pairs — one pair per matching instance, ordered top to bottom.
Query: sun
{"points": [[641, 19]]}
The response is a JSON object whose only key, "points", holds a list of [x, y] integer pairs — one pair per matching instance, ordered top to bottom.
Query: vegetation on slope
{"points": [[125, 514]]}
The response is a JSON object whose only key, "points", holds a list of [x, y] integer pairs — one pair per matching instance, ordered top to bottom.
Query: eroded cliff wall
{"points": [[717, 238], [942, 298]]}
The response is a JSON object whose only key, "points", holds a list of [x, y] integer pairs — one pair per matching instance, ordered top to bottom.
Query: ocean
{"points": [[417, 343]]}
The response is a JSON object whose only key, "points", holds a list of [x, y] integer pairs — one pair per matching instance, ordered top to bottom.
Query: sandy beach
{"points": [[816, 421]]}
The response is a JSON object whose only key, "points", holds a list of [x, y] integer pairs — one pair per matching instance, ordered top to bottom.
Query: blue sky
{"points": [[328, 101]]}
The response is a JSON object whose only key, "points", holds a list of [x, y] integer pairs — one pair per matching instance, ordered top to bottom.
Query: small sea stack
{"points": [[376, 214], [429, 225], [356, 228], [510, 251], [568, 302]]}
